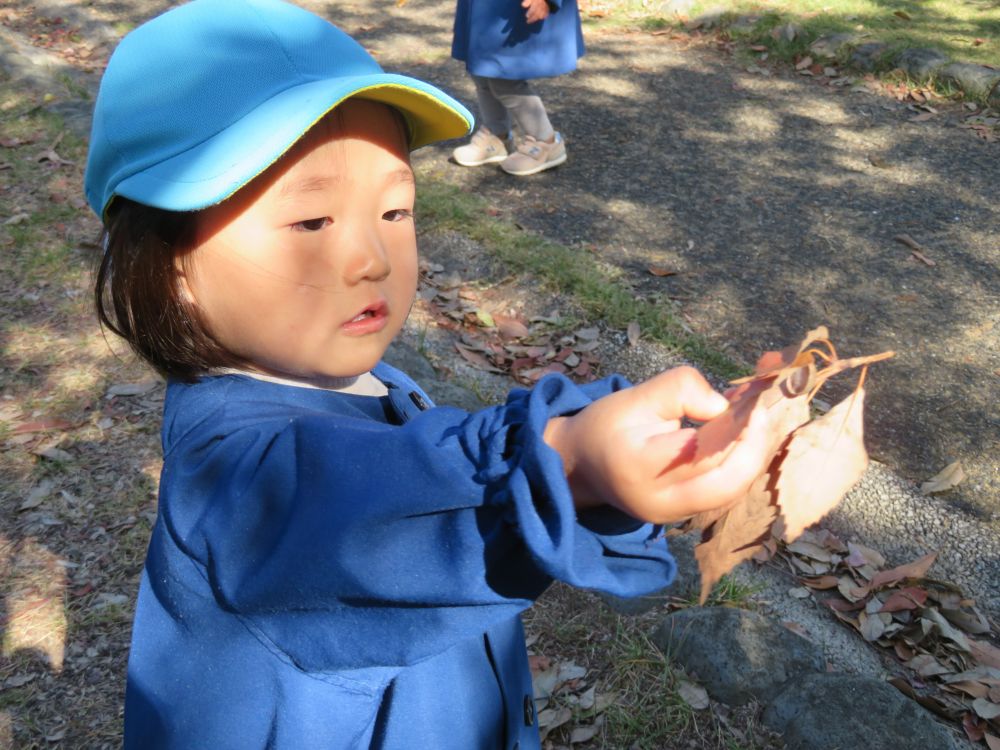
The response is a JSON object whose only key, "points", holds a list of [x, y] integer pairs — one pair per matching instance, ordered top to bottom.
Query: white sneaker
{"points": [[484, 148], [533, 156]]}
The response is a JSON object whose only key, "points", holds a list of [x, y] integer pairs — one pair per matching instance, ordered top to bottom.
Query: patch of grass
{"points": [[966, 31], [573, 271], [731, 592], [650, 714]]}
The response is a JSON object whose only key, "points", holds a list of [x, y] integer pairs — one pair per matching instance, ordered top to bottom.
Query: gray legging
{"points": [[502, 101]]}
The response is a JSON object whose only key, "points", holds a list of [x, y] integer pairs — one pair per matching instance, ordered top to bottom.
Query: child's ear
{"points": [[181, 271]]}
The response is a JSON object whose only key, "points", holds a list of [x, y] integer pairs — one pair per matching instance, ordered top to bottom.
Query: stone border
{"points": [[863, 54], [920, 63], [740, 656]]}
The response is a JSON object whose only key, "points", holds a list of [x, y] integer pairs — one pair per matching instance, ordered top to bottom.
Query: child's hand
{"points": [[537, 10], [618, 450]]}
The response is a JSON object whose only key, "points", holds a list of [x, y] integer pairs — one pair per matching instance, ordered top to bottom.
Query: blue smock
{"points": [[494, 40], [332, 571]]}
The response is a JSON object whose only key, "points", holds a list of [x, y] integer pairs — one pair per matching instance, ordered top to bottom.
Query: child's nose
{"points": [[369, 257]]}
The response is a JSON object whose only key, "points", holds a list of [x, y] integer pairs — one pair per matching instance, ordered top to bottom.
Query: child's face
{"points": [[309, 272]]}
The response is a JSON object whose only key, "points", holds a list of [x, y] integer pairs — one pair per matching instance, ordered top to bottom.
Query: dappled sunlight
{"points": [[601, 84], [820, 110], [754, 121], [72, 364], [34, 585]]}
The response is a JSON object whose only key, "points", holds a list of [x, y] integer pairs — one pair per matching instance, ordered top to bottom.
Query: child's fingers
{"points": [[683, 392], [719, 486]]}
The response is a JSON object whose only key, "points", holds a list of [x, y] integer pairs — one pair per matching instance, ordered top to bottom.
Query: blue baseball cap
{"points": [[198, 101]]}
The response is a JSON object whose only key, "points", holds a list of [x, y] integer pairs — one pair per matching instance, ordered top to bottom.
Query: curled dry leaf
{"points": [[813, 462], [950, 476]]}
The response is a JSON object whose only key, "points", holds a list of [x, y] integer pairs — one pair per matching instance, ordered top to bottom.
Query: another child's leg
{"points": [[524, 106], [493, 114], [488, 142], [540, 147]]}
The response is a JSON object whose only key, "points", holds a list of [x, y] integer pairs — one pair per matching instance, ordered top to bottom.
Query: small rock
{"points": [[707, 20], [745, 24], [790, 32], [831, 45], [868, 55], [921, 63], [977, 80], [736, 654], [806, 711]]}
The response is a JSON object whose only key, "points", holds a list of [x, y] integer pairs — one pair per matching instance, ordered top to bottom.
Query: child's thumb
{"points": [[683, 392]]}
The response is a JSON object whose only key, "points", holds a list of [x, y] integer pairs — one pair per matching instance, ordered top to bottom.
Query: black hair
{"points": [[138, 294]]}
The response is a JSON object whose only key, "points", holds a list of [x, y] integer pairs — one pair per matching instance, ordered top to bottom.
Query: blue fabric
{"points": [[494, 40], [339, 571]]}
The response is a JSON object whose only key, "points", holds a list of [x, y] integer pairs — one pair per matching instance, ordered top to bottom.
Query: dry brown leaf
{"points": [[660, 271], [510, 328], [632, 332], [42, 425], [824, 459], [813, 463], [950, 476], [729, 539], [913, 570], [905, 599], [984, 653]]}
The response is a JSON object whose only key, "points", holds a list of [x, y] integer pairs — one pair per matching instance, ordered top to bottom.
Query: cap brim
{"points": [[216, 168]]}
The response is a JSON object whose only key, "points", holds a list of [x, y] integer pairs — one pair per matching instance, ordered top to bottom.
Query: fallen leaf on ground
{"points": [[660, 271], [632, 333], [42, 425], [950, 476], [694, 695]]}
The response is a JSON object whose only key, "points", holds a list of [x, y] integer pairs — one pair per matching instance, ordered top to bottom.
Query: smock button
{"points": [[418, 401], [529, 711]]}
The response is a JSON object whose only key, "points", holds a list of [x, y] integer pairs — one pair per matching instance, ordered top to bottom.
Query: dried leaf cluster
{"points": [[507, 344], [814, 462], [930, 625], [565, 703]]}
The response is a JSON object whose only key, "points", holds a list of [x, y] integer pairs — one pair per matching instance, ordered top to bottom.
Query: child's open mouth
{"points": [[370, 320]]}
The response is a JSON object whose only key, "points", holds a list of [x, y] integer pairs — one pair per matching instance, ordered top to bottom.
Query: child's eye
{"points": [[397, 214], [311, 225]]}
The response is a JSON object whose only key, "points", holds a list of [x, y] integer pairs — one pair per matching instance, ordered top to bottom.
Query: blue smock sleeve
{"points": [[346, 542]]}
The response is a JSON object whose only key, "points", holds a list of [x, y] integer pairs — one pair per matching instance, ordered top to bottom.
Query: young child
{"points": [[504, 43], [334, 563]]}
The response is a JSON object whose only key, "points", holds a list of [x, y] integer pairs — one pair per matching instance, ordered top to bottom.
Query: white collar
{"points": [[364, 384]]}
